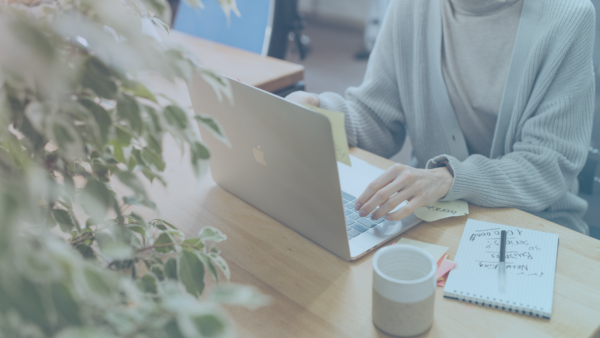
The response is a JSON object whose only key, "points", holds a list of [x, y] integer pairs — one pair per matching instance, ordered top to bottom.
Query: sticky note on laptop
{"points": [[338, 130]]}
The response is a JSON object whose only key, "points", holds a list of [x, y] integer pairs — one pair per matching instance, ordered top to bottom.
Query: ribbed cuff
{"points": [[331, 101], [461, 188]]}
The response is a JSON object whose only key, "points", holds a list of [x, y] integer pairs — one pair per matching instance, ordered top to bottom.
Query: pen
{"points": [[502, 265]]}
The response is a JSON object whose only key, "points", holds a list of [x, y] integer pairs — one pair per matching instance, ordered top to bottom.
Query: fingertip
{"points": [[357, 206]]}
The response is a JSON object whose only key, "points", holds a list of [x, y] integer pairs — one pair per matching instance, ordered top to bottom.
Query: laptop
{"points": [[281, 159]]}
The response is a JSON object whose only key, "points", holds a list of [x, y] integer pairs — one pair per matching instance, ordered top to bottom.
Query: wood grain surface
{"points": [[264, 72], [316, 294]]}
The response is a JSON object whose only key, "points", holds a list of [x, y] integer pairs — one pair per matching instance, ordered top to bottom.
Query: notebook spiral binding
{"points": [[505, 306]]}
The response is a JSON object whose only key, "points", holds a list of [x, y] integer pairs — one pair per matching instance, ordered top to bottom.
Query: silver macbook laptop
{"points": [[281, 160]]}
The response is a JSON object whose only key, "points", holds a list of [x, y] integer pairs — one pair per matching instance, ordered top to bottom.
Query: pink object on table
{"points": [[441, 260], [443, 270]]}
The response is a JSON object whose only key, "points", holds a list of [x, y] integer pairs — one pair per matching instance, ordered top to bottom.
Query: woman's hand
{"points": [[303, 98], [401, 183]]}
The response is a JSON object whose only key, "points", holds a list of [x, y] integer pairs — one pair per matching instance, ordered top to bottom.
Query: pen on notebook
{"points": [[502, 265]]}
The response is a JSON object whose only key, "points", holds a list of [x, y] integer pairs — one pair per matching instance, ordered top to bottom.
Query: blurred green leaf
{"points": [[160, 6], [161, 24], [28, 32], [178, 64], [96, 76], [219, 84], [139, 90], [129, 110], [36, 113], [100, 115], [175, 116], [213, 126], [155, 127], [123, 136], [67, 138], [36, 139], [154, 144], [118, 151], [200, 152], [199, 155], [138, 157], [152, 157], [132, 163], [101, 170], [150, 175], [129, 179], [69, 186], [96, 199], [139, 200], [64, 219], [162, 224], [139, 229], [175, 233], [211, 234], [164, 240], [195, 243], [114, 248], [86, 251], [208, 262], [221, 263], [171, 269], [158, 271], [191, 272], [148, 283], [65, 304], [209, 325], [172, 330], [84, 332]]}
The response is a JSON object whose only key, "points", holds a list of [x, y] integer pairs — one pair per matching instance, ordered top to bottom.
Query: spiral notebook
{"points": [[530, 269]]}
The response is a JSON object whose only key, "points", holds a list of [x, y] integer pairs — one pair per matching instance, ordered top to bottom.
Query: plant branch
{"points": [[83, 238], [155, 247]]}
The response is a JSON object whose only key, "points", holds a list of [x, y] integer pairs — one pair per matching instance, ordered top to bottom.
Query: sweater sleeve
{"points": [[374, 118], [552, 144]]}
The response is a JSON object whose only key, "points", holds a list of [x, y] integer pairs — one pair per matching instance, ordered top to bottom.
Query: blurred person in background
{"points": [[498, 99]]}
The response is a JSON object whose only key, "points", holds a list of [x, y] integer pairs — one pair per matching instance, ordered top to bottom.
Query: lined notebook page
{"points": [[530, 269]]}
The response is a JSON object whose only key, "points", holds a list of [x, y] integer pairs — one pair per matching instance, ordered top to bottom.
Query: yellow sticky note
{"points": [[338, 130], [439, 210], [436, 251]]}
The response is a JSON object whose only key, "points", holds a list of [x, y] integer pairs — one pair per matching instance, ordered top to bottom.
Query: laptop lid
{"points": [[281, 160]]}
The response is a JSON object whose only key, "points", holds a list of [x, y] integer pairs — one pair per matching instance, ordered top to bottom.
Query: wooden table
{"points": [[264, 72], [316, 294]]}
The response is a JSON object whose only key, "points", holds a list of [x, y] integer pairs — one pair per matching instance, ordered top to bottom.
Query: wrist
{"points": [[316, 101], [445, 178]]}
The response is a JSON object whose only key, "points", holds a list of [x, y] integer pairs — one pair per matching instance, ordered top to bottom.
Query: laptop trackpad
{"points": [[380, 234]]}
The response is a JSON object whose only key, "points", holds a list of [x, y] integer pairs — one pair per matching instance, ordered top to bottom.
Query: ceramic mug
{"points": [[403, 290]]}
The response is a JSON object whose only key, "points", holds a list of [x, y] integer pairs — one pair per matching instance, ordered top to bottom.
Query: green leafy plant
{"points": [[74, 117]]}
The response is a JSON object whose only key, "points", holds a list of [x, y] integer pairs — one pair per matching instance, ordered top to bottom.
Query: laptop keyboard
{"points": [[356, 225]]}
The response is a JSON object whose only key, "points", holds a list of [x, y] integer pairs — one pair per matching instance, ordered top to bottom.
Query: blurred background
{"points": [[332, 39]]}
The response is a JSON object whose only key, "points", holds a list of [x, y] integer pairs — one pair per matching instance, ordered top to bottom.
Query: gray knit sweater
{"points": [[544, 121]]}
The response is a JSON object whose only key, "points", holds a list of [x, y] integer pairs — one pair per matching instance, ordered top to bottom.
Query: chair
{"points": [[263, 27], [251, 31]]}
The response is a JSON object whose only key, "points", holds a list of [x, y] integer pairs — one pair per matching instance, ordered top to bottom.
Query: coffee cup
{"points": [[403, 290]]}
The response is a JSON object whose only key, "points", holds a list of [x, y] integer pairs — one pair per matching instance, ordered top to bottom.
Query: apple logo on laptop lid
{"points": [[259, 156]]}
